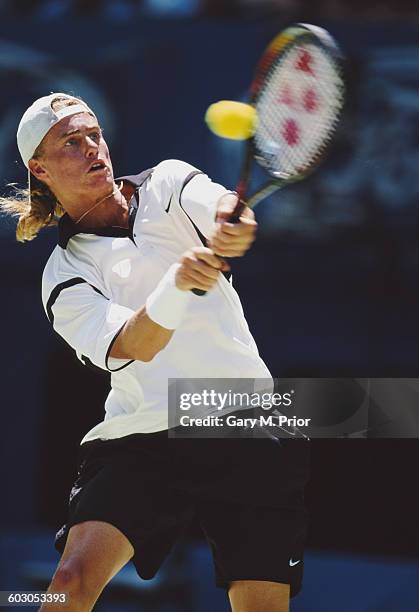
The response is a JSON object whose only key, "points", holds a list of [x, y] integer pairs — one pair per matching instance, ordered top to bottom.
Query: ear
{"points": [[38, 170]]}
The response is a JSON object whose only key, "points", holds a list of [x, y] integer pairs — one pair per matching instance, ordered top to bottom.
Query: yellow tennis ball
{"points": [[234, 120]]}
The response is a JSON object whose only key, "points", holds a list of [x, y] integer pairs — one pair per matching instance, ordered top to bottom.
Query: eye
{"points": [[95, 136], [70, 142]]}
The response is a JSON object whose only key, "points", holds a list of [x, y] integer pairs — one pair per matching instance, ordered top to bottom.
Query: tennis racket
{"points": [[298, 92]]}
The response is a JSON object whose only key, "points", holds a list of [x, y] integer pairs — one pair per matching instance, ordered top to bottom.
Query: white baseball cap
{"points": [[39, 118]]}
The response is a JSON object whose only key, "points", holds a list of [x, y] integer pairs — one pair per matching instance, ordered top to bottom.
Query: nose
{"points": [[91, 147]]}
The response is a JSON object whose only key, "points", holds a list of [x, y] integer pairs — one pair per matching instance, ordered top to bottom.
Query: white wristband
{"points": [[167, 304]]}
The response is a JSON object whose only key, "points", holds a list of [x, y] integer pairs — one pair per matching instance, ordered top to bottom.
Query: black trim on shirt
{"points": [[187, 180], [132, 213], [67, 228], [196, 228], [57, 290], [51, 301], [108, 352]]}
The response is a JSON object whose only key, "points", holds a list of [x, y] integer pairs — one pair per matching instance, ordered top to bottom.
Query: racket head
{"points": [[298, 91]]}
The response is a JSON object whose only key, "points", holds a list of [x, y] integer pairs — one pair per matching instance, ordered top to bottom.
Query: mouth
{"points": [[97, 166]]}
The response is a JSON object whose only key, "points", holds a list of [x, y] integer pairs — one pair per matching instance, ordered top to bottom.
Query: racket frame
{"points": [[282, 43]]}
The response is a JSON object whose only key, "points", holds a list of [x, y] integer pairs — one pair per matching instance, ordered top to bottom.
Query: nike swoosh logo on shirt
{"points": [[168, 206], [292, 563]]}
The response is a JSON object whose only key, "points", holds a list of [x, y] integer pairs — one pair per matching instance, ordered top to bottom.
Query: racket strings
{"points": [[298, 109]]}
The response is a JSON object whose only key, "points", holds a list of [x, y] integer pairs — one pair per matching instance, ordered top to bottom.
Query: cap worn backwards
{"points": [[39, 118]]}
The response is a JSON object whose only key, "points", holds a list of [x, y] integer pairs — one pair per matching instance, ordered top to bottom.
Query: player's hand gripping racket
{"points": [[298, 94]]}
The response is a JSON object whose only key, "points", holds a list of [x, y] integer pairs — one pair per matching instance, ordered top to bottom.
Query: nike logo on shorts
{"points": [[292, 563]]}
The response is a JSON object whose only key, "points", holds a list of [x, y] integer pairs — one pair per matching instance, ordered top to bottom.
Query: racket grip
{"points": [[238, 209], [234, 218], [198, 291]]}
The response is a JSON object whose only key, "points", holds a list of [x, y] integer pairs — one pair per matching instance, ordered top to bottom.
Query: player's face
{"points": [[75, 161]]}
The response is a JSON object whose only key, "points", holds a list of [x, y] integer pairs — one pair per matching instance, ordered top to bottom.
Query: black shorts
{"points": [[248, 495]]}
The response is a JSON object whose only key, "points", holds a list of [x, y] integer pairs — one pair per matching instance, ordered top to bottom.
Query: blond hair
{"points": [[38, 207]]}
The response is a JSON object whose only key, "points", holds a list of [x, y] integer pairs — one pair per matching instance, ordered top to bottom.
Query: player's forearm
{"points": [[149, 329], [141, 338]]}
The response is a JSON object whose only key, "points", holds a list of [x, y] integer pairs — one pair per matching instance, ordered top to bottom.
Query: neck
{"points": [[111, 209]]}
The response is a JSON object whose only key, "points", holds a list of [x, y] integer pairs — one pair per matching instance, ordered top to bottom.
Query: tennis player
{"points": [[117, 288]]}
